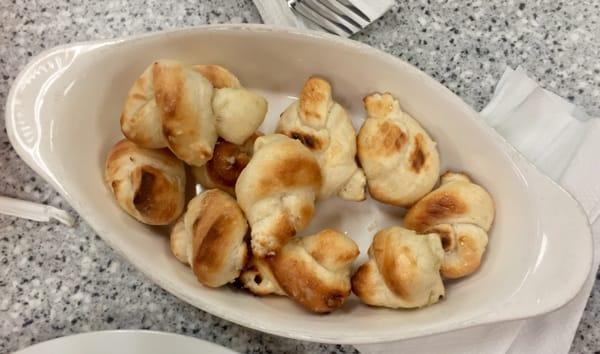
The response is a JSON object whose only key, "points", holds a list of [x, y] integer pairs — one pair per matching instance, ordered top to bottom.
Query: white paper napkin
{"points": [[277, 12], [564, 143]]}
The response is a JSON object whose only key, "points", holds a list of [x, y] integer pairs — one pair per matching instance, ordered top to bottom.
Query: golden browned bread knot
{"points": [[170, 105], [185, 108], [238, 111], [323, 126], [399, 158], [228, 161], [148, 184], [277, 191], [461, 212], [210, 238], [313, 270], [403, 270]]}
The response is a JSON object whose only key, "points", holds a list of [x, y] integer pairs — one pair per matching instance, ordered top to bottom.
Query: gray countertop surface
{"points": [[56, 280]]}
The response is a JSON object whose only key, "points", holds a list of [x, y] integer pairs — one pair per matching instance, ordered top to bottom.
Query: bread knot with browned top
{"points": [[186, 108], [323, 126], [399, 158], [149, 184], [277, 191], [461, 213], [210, 238], [313, 270], [403, 270]]}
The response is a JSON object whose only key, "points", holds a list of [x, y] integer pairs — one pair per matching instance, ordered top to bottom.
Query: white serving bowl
{"points": [[62, 117]]}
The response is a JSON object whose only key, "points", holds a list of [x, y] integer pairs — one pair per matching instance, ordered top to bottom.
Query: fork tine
{"points": [[350, 6], [344, 13], [331, 16], [318, 17], [314, 18]]}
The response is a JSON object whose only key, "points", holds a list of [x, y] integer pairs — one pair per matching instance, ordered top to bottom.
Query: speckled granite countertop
{"points": [[56, 281]]}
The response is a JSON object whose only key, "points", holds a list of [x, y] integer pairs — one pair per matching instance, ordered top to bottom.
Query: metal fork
{"points": [[339, 17]]}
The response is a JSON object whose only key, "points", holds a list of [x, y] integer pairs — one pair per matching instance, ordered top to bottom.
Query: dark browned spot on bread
{"points": [[393, 136], [306, 140], [389, 140], [417, 158], [356, 159], [227, 163], [115, 186], [155, 198], [143, 199], [444, 205], [432, 209], [306, 214], [283, 229], [214, 236], [446, 238], [446, 241], [209, 254], [258, 279], [335, 300]]}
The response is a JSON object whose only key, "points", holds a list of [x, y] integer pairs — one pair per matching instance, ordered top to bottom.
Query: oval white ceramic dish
{"points": [[62, 117]]}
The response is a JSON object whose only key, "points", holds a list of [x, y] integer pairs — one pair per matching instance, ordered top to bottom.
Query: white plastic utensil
{"points": [[34, 211]]}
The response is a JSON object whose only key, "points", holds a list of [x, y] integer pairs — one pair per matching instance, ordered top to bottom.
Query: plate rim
{"points": [[128, 332]]}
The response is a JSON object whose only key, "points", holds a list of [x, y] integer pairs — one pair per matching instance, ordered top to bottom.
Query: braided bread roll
{"points": [[171, 106], [238, 111], [323, 126], [398, 156], [228, 161], [148, 184], [277, 191], [461, 212], [210, 238], [313, 270], [402, 270]]}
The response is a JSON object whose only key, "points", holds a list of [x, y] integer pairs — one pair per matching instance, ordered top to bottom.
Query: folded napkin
{"points": [[277, 12], [564, 143]]}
